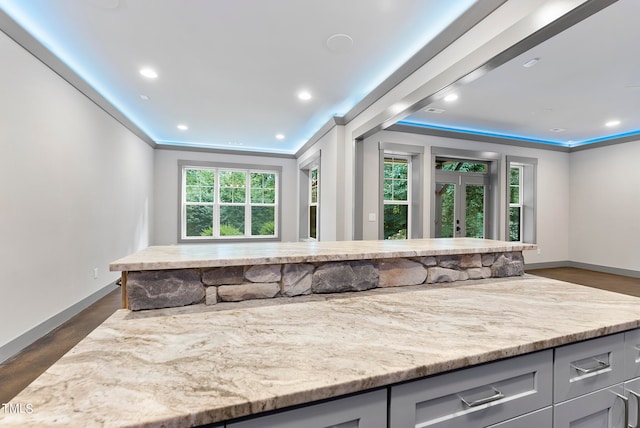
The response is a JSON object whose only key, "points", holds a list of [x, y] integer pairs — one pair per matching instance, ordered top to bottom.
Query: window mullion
{"points": [[216, 204], [247, 204]]}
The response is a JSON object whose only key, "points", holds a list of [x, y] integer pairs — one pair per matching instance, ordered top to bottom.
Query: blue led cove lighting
{"points": [[33, 17], [483, 133]]}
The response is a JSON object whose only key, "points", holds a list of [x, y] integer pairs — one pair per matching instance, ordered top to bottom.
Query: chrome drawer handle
{"points": [[585, 370], [497, 395], [637, 396], [625, 400]]}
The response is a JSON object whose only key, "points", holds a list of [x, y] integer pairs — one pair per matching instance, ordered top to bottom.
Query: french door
{"points": [[460, 204]]}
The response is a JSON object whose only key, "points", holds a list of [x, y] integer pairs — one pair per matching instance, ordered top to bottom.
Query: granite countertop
{"points": [[255, 253], [196, 365]]}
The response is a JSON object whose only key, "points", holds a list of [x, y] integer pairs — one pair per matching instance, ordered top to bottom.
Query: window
{"points": [[461, 166], [314, 183], [396, 183], [521, 198], [515, 202], [227, 203], [309, 203]]}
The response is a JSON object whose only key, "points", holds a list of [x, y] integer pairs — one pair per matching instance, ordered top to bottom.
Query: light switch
{"points": [[372, 216]]}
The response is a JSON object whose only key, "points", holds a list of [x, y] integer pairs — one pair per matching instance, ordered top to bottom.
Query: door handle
{"points": [[586, 370], [497, 395], [637, 397], [625, 402]]}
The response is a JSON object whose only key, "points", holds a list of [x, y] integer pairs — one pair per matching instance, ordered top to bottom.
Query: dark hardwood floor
{"points": [[604, 281], [22, 369], [19, 371]]}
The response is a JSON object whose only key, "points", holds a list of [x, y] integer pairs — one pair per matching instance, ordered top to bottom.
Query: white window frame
{"points": [[310, 162], [183, 166], [528, 197], [408, 201], [315, 204], [518, 205]]}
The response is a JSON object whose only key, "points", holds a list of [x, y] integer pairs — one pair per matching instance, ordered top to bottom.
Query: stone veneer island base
{"points": [[180, 275]]}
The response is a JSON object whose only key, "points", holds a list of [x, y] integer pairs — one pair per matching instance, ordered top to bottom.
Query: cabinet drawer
{"points": [[632, 353], [584, 367], [475, 397], [599, 409], [368, 410], [542, 418]]}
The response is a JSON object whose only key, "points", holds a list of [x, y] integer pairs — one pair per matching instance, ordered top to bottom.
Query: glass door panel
{"points": [[445, 210], [475, 213]]}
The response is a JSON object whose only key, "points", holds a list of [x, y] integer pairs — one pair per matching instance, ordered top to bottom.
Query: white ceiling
{"points": [[231, 69], [586, 76]]}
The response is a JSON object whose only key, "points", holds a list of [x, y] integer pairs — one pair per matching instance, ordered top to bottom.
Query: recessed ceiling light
{"points": [[339, 43], [531, 62], [149, 73], [304, 95], [144, 97], [451, 97], [398, 107], [434, 110], [612, 123], [182, 127], [280, 136]]}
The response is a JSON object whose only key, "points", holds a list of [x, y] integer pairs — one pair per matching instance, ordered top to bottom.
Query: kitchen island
{"points": [[179, 275], [205, 364]]}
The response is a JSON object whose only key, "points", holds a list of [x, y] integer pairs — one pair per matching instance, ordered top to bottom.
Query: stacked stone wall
{"points": [[181, 287]]}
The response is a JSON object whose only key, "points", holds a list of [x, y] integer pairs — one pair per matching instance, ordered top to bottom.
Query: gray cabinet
{"points": [[632, 353], [584, 367], [632, 367], [592, 383], [632, 392], [475, 397], [600, 409], [367, 410], [542, 418]]}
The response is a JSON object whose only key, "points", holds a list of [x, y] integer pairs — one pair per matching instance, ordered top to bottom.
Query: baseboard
{"points": [[546, 265], [586, 266], [18, 344]]}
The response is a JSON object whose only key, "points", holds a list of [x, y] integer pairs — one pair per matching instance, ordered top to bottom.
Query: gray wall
{"points": [[166, 190], [76, 192], [605, 206]]}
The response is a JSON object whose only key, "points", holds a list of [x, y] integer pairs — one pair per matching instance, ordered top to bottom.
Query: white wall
{"points": [[166, 185], [552, 191], [76, 192], [605, 206]]}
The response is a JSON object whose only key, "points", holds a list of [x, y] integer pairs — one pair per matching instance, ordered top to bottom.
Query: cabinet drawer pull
{"points": [[585, 370], [497, 395], [637, 396], [625, 401]]}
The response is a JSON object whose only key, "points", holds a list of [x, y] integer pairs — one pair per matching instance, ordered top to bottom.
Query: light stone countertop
{"points": [[257, 253], [196, 365]]}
